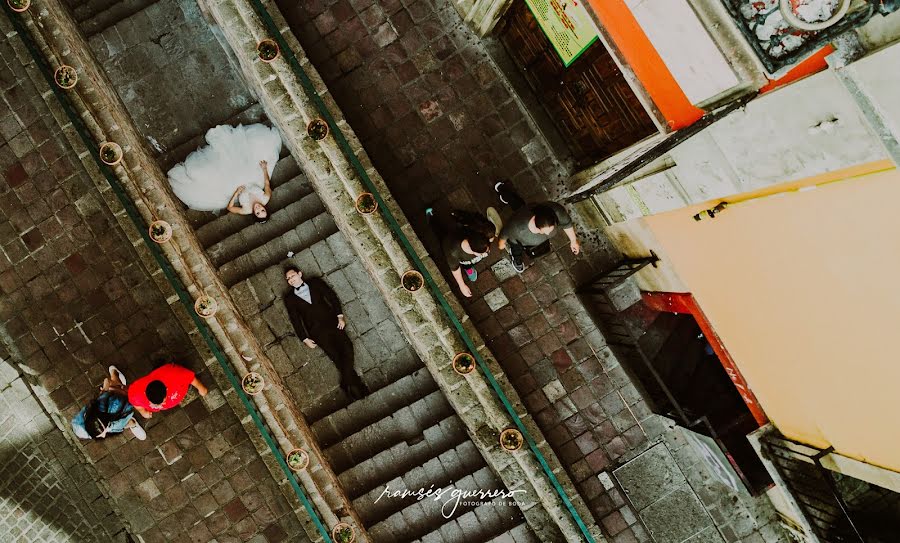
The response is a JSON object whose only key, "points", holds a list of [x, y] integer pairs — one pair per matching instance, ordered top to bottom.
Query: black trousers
{"points": [[337, 345]]}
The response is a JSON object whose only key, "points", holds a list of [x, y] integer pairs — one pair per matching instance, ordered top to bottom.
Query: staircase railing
{"points": [[341, 139], [171, 276], [813, 487]]}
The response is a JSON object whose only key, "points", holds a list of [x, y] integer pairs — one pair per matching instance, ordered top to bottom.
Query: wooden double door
{"points": [[590, 102]]}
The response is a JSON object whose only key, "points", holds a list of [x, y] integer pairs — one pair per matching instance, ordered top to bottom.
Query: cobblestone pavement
{"points": [[441, 125], [76, 296], [47, 493]]}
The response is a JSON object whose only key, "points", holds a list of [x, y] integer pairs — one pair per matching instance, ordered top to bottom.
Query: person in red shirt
{"points": [[163, 388]]}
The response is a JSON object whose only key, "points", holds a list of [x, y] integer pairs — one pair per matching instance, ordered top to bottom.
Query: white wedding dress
{"points": [[208, 177]]}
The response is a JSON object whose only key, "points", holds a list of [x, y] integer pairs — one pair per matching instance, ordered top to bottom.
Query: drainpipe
{"points": [[848, 49]]}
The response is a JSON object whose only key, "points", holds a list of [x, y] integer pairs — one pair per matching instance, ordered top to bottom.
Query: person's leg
{"points": [[508, 194], [516, 256], [339, 349]]}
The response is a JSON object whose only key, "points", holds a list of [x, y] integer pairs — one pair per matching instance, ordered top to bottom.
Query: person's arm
{"points": [[268, 182], [231, 203], [565, 222], [504, 235], [574, 244], [463, 287], [297, 320], [201, 388], [144, 413]]}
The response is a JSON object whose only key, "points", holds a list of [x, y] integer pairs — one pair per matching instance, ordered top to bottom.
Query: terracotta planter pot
{"points": [[18, 5], [268, 50], [65, 77], [317, 129], [110, 153], [366, 204], [160, 231], [412, 280], [206, 306], [463, 363], [253, 383], [511, 439], [297, 459], [343, 533]]}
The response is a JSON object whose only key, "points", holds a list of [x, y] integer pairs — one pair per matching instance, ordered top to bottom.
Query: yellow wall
{"points": [[803, 290]]}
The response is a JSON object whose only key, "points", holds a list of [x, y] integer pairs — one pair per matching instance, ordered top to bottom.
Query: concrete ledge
{"points": [[106, 118], [424, 322]]}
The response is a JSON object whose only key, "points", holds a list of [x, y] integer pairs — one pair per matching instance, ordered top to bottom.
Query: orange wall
{"points": [[803, 290]]}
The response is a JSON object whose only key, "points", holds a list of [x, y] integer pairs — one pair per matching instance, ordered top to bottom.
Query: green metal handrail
{"points": [[348, 152], [166, 267]]}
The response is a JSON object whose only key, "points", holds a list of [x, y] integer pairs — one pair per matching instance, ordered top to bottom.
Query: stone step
{"points": [[94, 16], [190, 140], [288, 185], [255, 234], [303, 240], [377, 405], [405, 424], [389, 464], [448, 467], [424, 521], [517, 534]]}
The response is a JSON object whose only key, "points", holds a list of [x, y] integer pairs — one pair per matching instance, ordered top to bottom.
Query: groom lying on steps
{"points": [[315, 312]]}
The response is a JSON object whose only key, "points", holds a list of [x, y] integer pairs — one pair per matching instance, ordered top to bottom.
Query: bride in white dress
{"points": [[232, 172]]}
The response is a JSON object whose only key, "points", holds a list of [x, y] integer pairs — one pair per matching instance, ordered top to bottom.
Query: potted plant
{"points": [[19, 5], [813, 15], [267, 50], [65, 76], [317, 129], [111, 153], [366, 203], [160, 231], [412, 280], [206, 306], [463, 363], [253, 383], [511, 439], [297, 459], [343, 533]]}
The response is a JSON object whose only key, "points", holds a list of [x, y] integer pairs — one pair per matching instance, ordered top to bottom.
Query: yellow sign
{"points": [[566, 24]]}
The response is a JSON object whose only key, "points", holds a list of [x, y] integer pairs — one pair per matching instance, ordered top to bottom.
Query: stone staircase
{"points": [[93, 16], [404, 434]]}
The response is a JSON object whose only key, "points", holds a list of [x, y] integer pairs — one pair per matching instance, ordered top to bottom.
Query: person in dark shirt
{"points": [[531, 225], [463, 248], [315, 312]]}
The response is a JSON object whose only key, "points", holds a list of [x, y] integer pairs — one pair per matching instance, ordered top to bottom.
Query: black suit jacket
{"points": [[317, 318]]}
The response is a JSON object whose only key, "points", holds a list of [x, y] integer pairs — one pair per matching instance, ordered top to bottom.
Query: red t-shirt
{"points": [[177, 380]]}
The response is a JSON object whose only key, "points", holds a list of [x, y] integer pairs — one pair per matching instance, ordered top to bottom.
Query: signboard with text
{"points": [[566, 24]]}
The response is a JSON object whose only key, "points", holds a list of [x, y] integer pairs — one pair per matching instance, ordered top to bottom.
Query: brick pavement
{"points": [[440, 124], [76, 296], [47, 494]]}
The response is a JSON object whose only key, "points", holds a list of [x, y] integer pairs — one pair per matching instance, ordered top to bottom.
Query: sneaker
{"points": [[497, 186], [495, 219], [518, 265], [471, 274], [115, 373], [137, 430]]}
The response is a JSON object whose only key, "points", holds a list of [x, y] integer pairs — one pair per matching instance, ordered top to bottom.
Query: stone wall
{"points": [[95, 100], [425, 323]]}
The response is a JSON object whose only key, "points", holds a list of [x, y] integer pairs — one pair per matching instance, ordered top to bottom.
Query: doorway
{"points": [[589, 103]]}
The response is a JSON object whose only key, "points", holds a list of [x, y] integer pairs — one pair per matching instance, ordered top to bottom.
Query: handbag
{"points": [[538, 250]]}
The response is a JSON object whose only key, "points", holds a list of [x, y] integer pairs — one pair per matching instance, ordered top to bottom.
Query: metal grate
{"points": [[813, 488]]}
